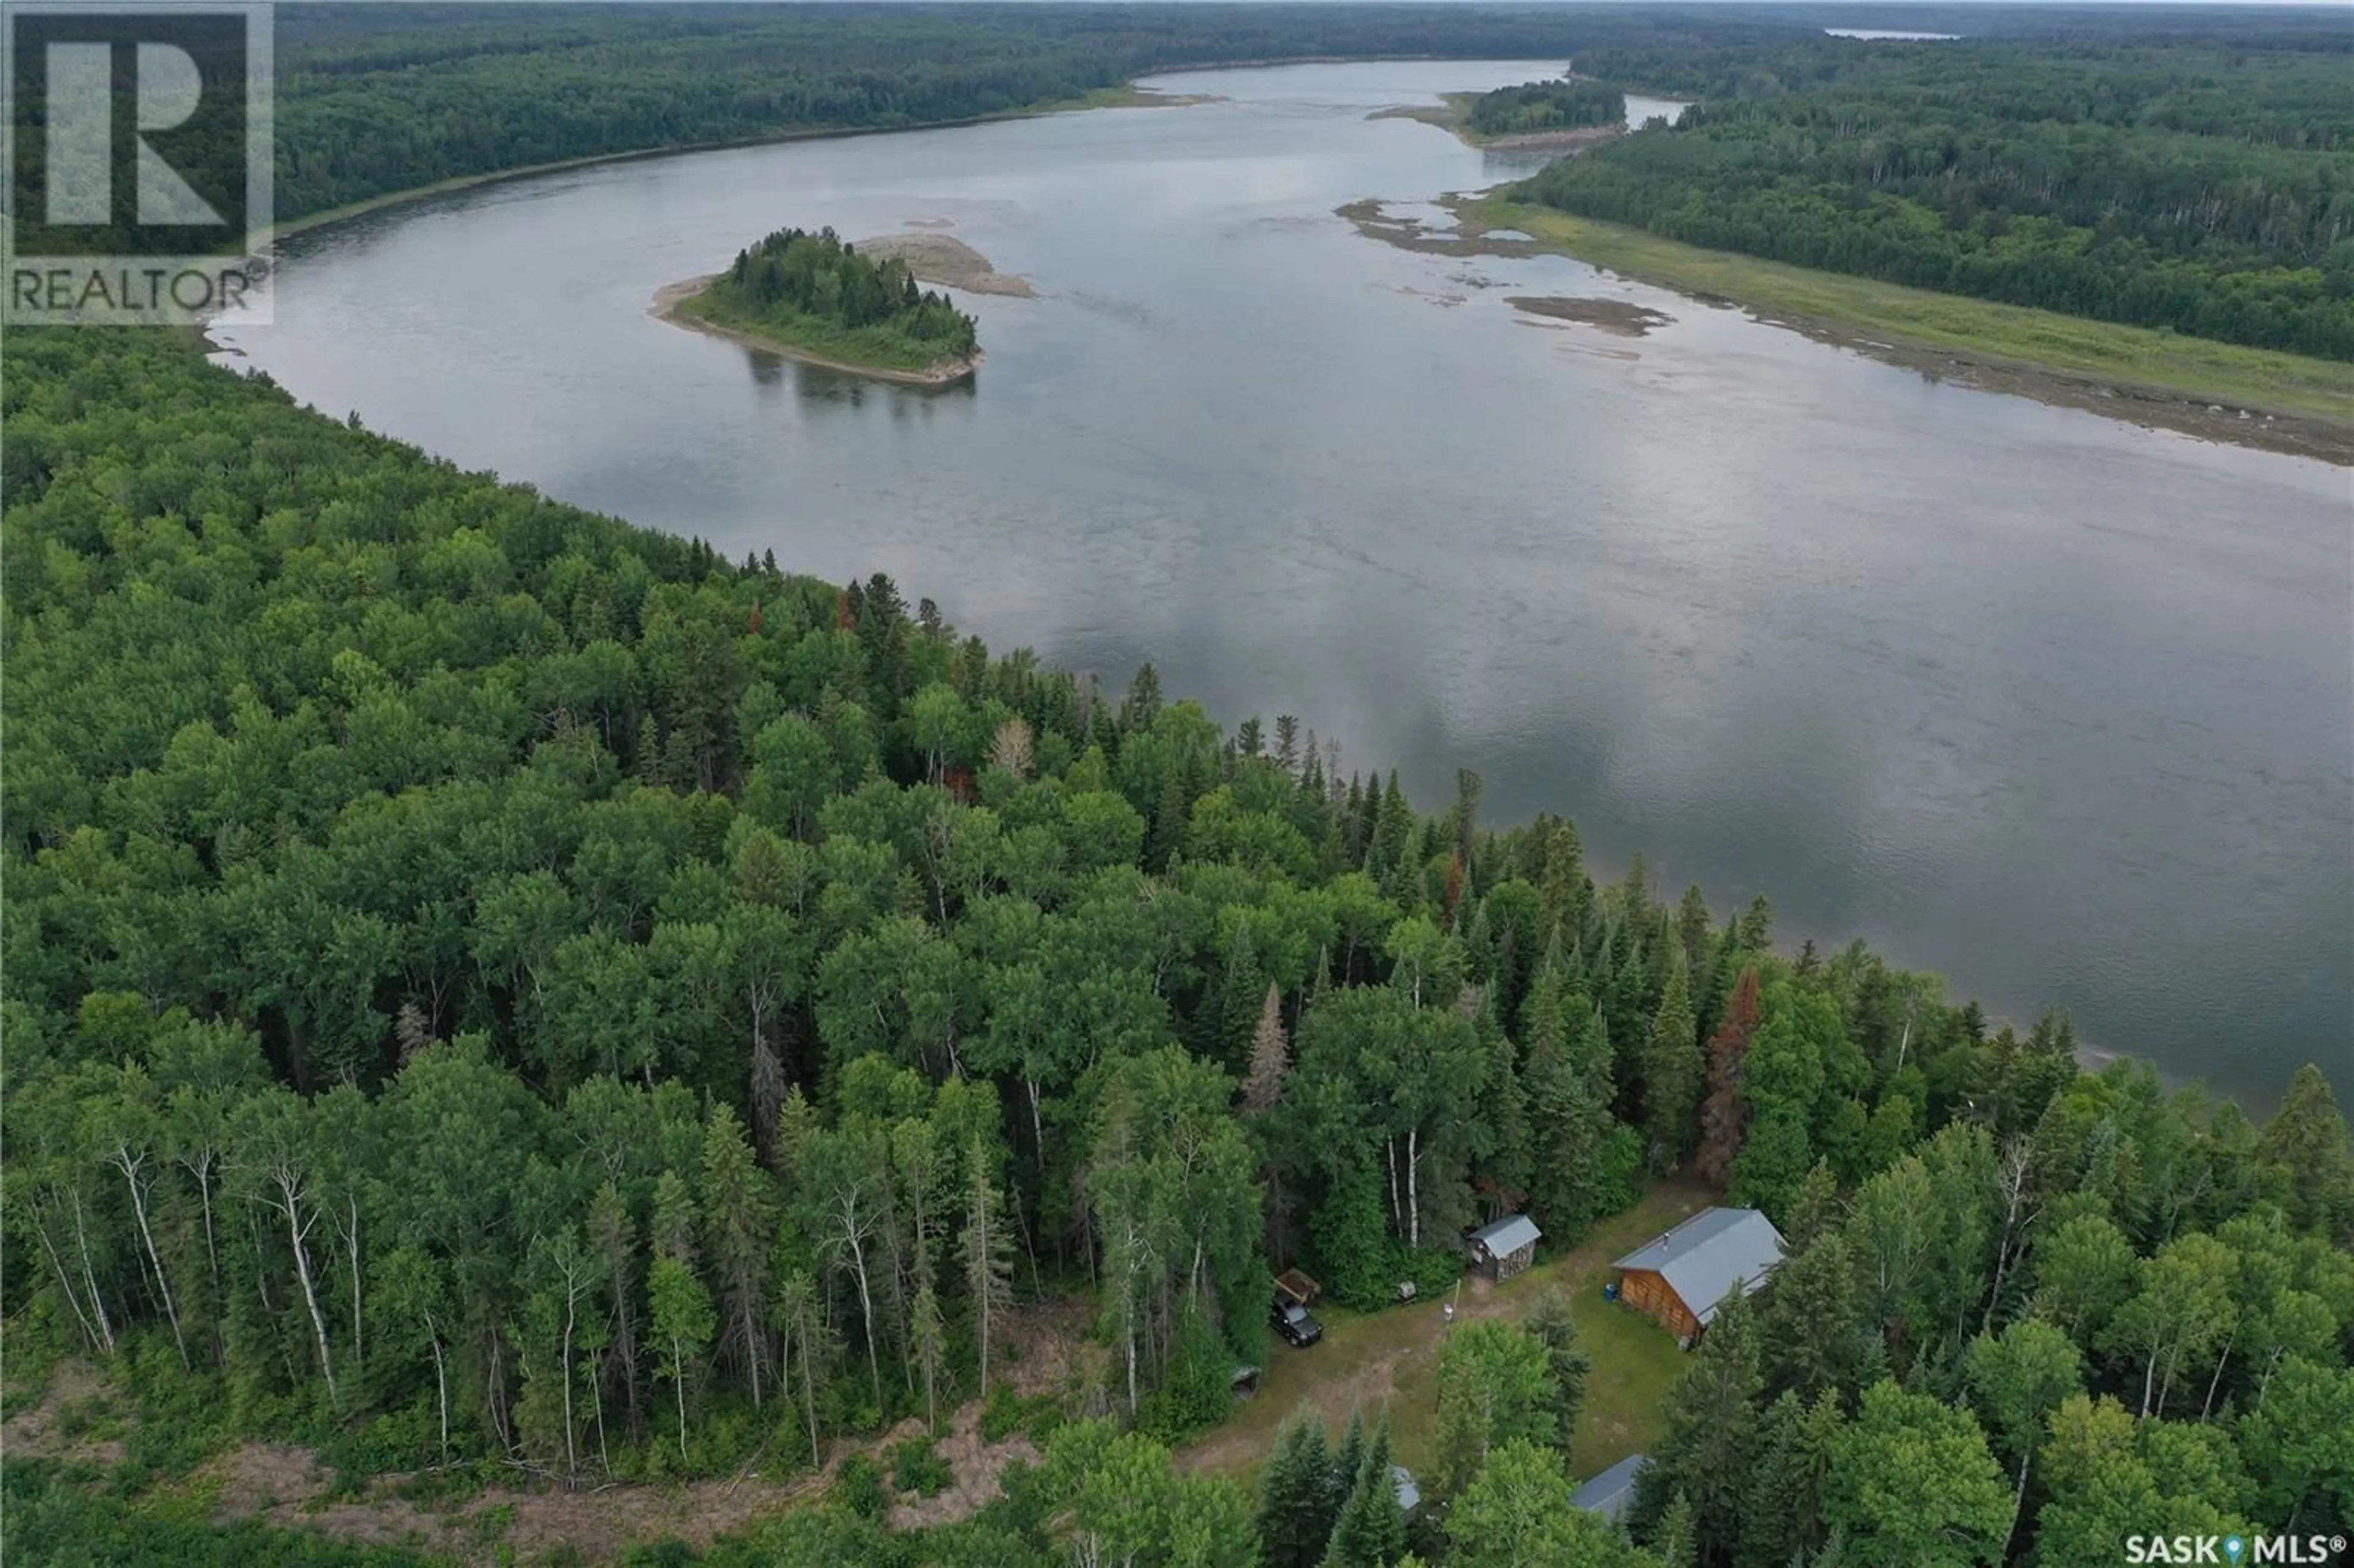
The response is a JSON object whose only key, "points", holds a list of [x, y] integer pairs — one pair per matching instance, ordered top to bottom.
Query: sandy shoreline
{"points": [[936, 258], [670, 296], [2238, 423]]}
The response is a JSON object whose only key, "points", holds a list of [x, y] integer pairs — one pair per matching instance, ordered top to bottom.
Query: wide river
{"points": [[2058, 706]]}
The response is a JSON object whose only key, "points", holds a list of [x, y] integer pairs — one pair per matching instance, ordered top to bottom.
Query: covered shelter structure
{"points": [[1503, 1248], [1679, 1278], [1608, 1493]]}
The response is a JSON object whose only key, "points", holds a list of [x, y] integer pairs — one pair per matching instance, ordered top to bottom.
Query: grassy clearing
{"points": [[2189, 368], [1388, 1360]]}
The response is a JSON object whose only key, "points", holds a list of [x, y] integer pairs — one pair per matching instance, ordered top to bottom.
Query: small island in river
{"points": [[816, 298]]}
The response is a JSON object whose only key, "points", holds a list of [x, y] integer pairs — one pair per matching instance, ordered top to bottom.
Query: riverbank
{"points": [[1127, 95], [683, 303], [2277, 402]]}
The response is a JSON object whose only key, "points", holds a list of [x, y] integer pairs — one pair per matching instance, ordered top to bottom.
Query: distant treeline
{"points": [[380, 99], [1545, 106], [2166, 184], [794, 277]]}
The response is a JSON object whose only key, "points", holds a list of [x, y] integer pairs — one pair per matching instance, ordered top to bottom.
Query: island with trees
{"points": [[1544, 107], [814, 297]]}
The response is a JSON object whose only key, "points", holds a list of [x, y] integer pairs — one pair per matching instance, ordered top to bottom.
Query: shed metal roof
{"points": [[1509, 1234], [1700, 1258], [1409, 1491], [1608, 1493]]}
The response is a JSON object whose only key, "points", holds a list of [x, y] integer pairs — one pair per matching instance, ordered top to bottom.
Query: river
{"points": [[2058, 706]]}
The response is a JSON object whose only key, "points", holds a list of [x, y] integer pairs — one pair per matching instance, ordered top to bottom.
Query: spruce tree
{"points": [[1143, 704], [1169, 819], [1392, 832], [1270, 1058], [1671, 1068], [1814, 1211], [1551, 1322], [1810, 1334], [1708, 1443], [1347, 1461], [1295, 1497], [1782, 1517], [1370, 1532], [1676, 1541]]}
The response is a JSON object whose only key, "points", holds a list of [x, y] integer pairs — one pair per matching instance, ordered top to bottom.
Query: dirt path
{"points": [[1388, 1360]]}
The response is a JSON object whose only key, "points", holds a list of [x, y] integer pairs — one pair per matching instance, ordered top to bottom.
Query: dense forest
{"points": [[383, 97], [1545, 106], [2191, 185], [817, 291], [489, 986]]}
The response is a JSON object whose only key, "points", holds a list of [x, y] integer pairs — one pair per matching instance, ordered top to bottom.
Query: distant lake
{"points": [[1875, 35], [2061, 707]]}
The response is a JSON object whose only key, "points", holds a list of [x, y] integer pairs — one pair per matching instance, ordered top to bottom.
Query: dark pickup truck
{"points": [[1295, 1322]]}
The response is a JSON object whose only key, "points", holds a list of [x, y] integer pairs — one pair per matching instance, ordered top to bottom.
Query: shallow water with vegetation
{"points": [[2052, 703]]}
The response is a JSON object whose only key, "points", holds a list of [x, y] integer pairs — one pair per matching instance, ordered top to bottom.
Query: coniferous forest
{"points": [[814, 288], [492, 989]]}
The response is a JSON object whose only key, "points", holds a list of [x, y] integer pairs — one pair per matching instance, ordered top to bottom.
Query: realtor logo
{"points": [[138, 162]]}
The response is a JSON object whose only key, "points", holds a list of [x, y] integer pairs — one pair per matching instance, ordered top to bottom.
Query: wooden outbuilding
{"points": [[1504, 1249], [1679, 1278], [1608, 1493]]}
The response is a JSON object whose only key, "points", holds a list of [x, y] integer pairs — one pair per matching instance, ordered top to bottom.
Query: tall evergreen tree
{"points": [[1271, 1058], [1671, 1068], [1552, 1326], [1811, 1328], [1707, 1445], [1296, 1509], [1782, 1514], [1370, 1531]]}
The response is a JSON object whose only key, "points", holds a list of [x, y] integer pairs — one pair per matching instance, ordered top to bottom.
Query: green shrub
{"points": [[916, 1466], [858, 1487]]}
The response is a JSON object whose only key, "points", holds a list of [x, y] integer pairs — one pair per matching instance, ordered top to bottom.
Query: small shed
{"points": [[1502, 1249], [1679, 1278], [1245, 1382], [1409, 1490], [1608, 1493]]}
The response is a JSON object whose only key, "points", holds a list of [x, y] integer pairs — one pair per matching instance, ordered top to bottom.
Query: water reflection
{"points": [[2020, 693]]}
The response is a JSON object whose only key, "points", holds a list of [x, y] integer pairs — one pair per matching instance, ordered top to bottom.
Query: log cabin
{"points": [[1679, 1278]]}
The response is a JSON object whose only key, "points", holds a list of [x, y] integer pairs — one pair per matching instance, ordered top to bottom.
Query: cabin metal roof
{"points": [[1509, 1234], [1700, 1258], [1608, 1493]]}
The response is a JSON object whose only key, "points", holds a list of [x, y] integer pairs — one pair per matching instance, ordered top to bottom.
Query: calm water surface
{"points": [[2053, 705]]}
